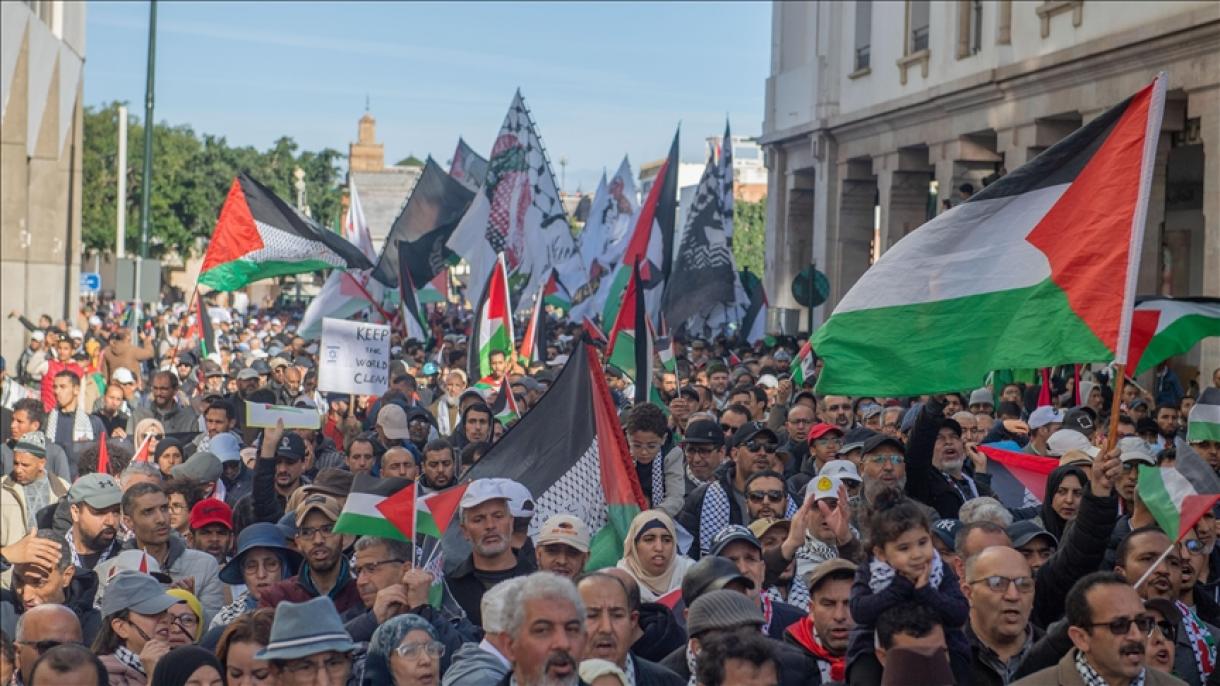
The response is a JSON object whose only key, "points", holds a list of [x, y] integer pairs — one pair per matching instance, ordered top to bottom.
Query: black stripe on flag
{"points": [[268, 208]]}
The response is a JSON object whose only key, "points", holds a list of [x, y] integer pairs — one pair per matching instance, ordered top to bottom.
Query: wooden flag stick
{"points": [[1115, 405]]}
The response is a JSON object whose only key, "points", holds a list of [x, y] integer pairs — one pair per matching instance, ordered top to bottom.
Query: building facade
{"points": [[42, 56], [878, 113]]}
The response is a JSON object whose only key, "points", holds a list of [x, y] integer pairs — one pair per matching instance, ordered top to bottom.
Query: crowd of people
{"points": [[150, 536]]}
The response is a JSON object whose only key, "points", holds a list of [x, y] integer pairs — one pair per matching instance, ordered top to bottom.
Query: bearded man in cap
{"points": [[326, 571]]}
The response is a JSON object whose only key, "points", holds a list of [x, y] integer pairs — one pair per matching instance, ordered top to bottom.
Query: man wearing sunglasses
{"points": [[702, 452], [710, 508], [1000, 588], [1108, 627], [38, 630]]}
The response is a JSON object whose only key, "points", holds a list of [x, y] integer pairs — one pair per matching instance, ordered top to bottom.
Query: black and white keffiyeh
{"points": [[658, 479], [881, 575]]}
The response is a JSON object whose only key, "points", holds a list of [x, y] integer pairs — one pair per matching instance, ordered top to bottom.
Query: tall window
{"points": [[917, 21], [976, 26], [864, 30]]}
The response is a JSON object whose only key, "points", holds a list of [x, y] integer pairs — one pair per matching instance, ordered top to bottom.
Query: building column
{"points": [[1206, 106], [1016, 144], [945, 175], [903, 197], [825, 209], [851, 238], [774, 268], [1149, 279]]}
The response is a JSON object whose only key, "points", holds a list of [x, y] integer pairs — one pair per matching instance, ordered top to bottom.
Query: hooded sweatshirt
{"points": [[474, 666]]}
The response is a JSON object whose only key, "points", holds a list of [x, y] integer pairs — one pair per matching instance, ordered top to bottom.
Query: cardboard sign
{"points": [[355, 358], [264, 416]]}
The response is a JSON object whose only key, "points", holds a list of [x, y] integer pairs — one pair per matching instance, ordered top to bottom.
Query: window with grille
{"points": [[918, 25], [864, 29]]}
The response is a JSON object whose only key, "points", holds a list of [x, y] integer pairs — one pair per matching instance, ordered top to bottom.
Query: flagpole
{"points": [[182, 327], [1112, 437], [414, 523], [1154, 565]]}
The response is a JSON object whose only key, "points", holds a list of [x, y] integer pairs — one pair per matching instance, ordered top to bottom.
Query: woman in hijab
{"points": [[167, 455], [1065, 489], [650, 555], [186, 618], [405, 652], [187, 665]]}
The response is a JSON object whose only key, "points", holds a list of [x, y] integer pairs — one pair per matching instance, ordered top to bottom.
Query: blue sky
{"points": [[601, 79]]}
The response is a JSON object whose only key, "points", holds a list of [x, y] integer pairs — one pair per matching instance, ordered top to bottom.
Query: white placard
{"points": [[355, 357], [264, 416]]}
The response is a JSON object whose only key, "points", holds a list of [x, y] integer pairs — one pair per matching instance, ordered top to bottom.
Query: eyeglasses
{"points": [[728, 428], [828, 442], [756, 446], [882, 459], [773, 496], [311, 531], [1192, 545], [251, 566], [373, 566], [1000, 584], [188, 623], [1119, 626], [1168, 629], [411, 651]]}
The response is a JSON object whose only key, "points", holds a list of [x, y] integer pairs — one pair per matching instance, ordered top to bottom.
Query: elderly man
{"points": [[28, 416], [936, 457], [882, 465], [29, 484], [487, 523], [738, 545], [562, 546], [1000, 588], [612, 623], [1108, 626], [37, 630], [824, 632], [547, 633], [308, 638], [482, 663]]}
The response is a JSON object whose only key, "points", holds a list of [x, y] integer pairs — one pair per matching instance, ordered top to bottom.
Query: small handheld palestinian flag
{"points": [[259, 236], [493, 323], [1164, 327], [201, 329], [533, 343], [803, 366], [505, 409], [1203, 422], [144, 452], [103, 456], [1180, 495], [365, 511]]}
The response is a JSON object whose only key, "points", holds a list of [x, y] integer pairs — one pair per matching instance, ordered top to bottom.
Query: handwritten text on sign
{"points": [[355, 357]]}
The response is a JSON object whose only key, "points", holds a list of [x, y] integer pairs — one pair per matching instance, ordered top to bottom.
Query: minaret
{"points": [[366, 154]]}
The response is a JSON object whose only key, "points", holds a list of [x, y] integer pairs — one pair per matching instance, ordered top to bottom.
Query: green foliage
{"points": [[191, 177], [749, 234]]}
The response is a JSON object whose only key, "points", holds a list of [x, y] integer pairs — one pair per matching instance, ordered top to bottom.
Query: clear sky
{"points": [[602, 80]]}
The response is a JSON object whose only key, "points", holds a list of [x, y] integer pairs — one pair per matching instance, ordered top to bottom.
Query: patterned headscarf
{"points": [[385, 639]]}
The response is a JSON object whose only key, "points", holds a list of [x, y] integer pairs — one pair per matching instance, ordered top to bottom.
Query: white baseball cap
{"points": [[123, 375], [768, 381], [1044, 415], [1065, 440], [844, 470], [823, 487], [482, 490], [520, 500]]}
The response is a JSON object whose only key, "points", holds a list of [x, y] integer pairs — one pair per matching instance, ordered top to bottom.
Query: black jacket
{"points": [[925, 482], [692, 510], [1080, 552], [468, 591], [662, 632], [1047, 651], [795, 666], [652, 674]]}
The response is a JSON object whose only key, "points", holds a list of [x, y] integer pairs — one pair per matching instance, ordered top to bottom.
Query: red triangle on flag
{"points": [[235, 234], [145, 451], [103, 456], [444, 505], [399, 510], [144, 563]]}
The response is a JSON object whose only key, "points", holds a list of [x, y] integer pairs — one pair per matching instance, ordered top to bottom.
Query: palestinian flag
{"points": [[425, 222], [259, 236], [652, 241], [1036, 270], [436, 290], [555, 295], [413, 315], [493, 323], [754, 323], [1164, 327], [201, 329], [631, 338], [533, 343], [803, 366], [505, 409], [1203, 422], [144, 452], [103, 456], [584, 470], [1018, 479], [1180, 495], [363, 513]]}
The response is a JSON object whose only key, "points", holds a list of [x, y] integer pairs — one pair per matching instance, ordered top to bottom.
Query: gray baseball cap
{"points": [[99, 491], [137, 592]]}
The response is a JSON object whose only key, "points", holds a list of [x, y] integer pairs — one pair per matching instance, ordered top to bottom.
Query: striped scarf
{"points": [[82, 429], [658, 479], [1202, 643]]}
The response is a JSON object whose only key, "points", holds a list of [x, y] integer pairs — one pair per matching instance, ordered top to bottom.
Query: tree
{"points": [[191, 178], [749, 234]]}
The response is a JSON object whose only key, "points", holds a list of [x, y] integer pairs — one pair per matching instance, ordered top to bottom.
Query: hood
{"points": [[1051, 520], [177, 546], [81, 591], [662, 632], [470, 660]]}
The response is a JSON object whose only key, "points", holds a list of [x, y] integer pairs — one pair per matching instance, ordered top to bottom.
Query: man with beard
{"points": [[163, 407], [837, 410], [111, 413], [476, 423], [419, 426], [703, 449], [935, 458], [882, 465], [439, 467], [278, 472], [29, 484], [766, 497], [94, 504], [710, 508], [146, 515], [487, 523], [211, 524], [738, 545], [562, 546], [1142, 551], [325, 571], [59, 584], [999, 586], [545, 622], [612, 625], [1107, 625], [823, 633]]}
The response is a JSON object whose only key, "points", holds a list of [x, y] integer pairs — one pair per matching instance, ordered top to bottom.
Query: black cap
{"points": [[689, 392], [1082, 419], [950, 423], [1145, 425], [749, 431], [703, 432], [879, 440], [291, 447], [1026, 530], [730, 534], [711, 573]]}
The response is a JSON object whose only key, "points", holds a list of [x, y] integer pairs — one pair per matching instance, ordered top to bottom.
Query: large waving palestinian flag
{"points": [[259, 236], [1037, 270], [1164, 327], [584, 470]]}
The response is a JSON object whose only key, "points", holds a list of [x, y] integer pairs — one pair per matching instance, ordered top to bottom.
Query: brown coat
{"points": [[124, 354], [1065, 674]]}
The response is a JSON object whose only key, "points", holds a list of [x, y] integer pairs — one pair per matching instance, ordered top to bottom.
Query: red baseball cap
{"points": [[822, 429], [211, 511]]}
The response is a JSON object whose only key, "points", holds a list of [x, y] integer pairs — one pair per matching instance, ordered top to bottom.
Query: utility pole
{"points": [[146, 182], [121, 211]]}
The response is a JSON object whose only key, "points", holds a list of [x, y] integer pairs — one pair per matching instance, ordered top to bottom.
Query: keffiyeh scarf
{"points": [[82, 429], [658, 479], [717, 514], [105, 554], [881, 575], [242, 604], [1202, 643], [124, 655], [1090, 677]]}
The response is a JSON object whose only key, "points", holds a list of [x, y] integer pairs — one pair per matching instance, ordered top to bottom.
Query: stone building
{"points": [[42, 55], [879, 112], [383, 189]]}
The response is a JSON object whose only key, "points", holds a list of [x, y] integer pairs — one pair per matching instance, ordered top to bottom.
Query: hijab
{"points": [[1051, 521], [653, 586], [192, 602], [385, 639], [176, 668]]}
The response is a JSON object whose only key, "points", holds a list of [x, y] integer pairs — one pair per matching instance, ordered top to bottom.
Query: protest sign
{"points": [[355, 357], [264, 415]]}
